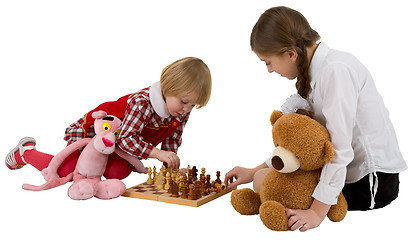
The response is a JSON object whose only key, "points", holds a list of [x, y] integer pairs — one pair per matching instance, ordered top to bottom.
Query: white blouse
{"points": [[345, 100]]}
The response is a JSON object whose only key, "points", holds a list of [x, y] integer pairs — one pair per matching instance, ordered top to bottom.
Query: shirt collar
{"points": [[317, 61], [157, 100]]}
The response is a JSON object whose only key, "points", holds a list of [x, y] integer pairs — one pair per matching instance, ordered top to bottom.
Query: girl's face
{"points": [[283, 64], [178, 106]]}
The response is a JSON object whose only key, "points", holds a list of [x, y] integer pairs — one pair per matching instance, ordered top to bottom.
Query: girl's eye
{"points": [[268, 63]]}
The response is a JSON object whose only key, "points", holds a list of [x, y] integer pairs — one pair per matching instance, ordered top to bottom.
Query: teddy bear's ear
{"points": [[274, 116], [328, 151]]}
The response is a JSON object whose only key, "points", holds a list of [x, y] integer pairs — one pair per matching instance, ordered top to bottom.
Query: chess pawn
{"points": [[218, 177], [150, 180], [208, 185]]}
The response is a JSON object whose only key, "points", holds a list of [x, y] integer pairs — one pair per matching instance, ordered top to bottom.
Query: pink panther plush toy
{"points": [[91, 163]]}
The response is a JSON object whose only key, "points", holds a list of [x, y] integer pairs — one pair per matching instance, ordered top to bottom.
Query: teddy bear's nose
{"points": [[277, 163]]}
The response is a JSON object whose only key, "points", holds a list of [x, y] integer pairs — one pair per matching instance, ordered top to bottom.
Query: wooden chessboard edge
{"points": [[179, 201]]}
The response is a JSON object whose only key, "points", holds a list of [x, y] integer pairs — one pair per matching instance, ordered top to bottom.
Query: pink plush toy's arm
{"points": [[138, 165], [51, 172]]}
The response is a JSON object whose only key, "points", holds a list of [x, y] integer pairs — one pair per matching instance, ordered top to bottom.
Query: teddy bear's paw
{"points": [[110, 189], [82, 190], [246, 201], [338, 212], [273, 216]]}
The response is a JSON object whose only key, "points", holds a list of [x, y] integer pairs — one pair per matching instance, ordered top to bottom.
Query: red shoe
{"points": [[11, 162]]}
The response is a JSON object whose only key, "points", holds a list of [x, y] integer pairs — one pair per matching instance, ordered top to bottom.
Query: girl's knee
{"points": [[258, 178]]}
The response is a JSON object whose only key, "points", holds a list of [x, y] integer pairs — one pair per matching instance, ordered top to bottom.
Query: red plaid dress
{"points": [[141, 130]]}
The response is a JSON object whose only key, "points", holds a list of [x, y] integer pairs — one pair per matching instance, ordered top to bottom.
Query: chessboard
{"points": [[172, 187]]}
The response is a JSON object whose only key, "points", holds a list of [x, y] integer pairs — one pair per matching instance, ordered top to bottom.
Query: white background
{"points": [[59, 59]]}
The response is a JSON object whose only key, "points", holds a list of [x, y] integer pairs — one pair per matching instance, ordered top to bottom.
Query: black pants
{"points": [[358, 194]]}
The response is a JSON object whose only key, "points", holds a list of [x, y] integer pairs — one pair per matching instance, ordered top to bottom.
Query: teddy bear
{"points": [[302, 147], [91, 164]]}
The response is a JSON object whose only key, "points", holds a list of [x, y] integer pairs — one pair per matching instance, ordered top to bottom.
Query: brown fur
{"points": [[310, 142]]}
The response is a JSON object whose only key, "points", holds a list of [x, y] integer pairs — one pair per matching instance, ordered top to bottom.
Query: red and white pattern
{"points": [[139, 114]]}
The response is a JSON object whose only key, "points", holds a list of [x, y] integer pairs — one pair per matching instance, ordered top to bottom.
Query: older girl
{"points": [[344, 99]]}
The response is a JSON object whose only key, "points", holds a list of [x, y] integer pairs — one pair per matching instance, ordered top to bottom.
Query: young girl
{"points": [[344, 99], [153, 115]]}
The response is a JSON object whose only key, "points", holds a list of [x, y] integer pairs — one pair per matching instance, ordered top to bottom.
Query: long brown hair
{"points": [[280, 29]]}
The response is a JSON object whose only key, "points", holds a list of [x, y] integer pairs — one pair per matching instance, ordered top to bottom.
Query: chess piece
{"points": [[188, 170], [194, 171], [203, 171], [154, 173], [218, 177], [150, 180], [160, 180], [181, 181], [208, 184], [167, 185], [219, 187], [174, 189], [185, 189], [197, 190], [210, 190], [192, 195]]}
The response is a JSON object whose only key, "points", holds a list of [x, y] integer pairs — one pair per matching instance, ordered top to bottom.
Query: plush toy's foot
{"points": [[15, 158], [82, 189], [109, 189], [246, 201], [338, 212], [273, 216]]}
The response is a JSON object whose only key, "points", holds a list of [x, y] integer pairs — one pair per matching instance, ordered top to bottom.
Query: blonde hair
{"points": [[280, 29], [186, 76]]}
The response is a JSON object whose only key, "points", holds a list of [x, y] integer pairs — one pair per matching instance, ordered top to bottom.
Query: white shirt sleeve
{"points": [[339, 91]]}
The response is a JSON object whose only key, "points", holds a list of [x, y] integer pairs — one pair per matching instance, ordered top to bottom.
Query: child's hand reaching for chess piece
{"points": [[170, 158]]}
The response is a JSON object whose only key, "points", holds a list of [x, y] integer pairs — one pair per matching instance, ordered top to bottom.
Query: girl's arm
{"points": [[130, 140], [242, 175]]}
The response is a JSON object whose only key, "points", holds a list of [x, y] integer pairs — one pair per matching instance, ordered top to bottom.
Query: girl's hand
{"points": [[170, 158], [240, 174], [303, 219], [307, 219]]}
